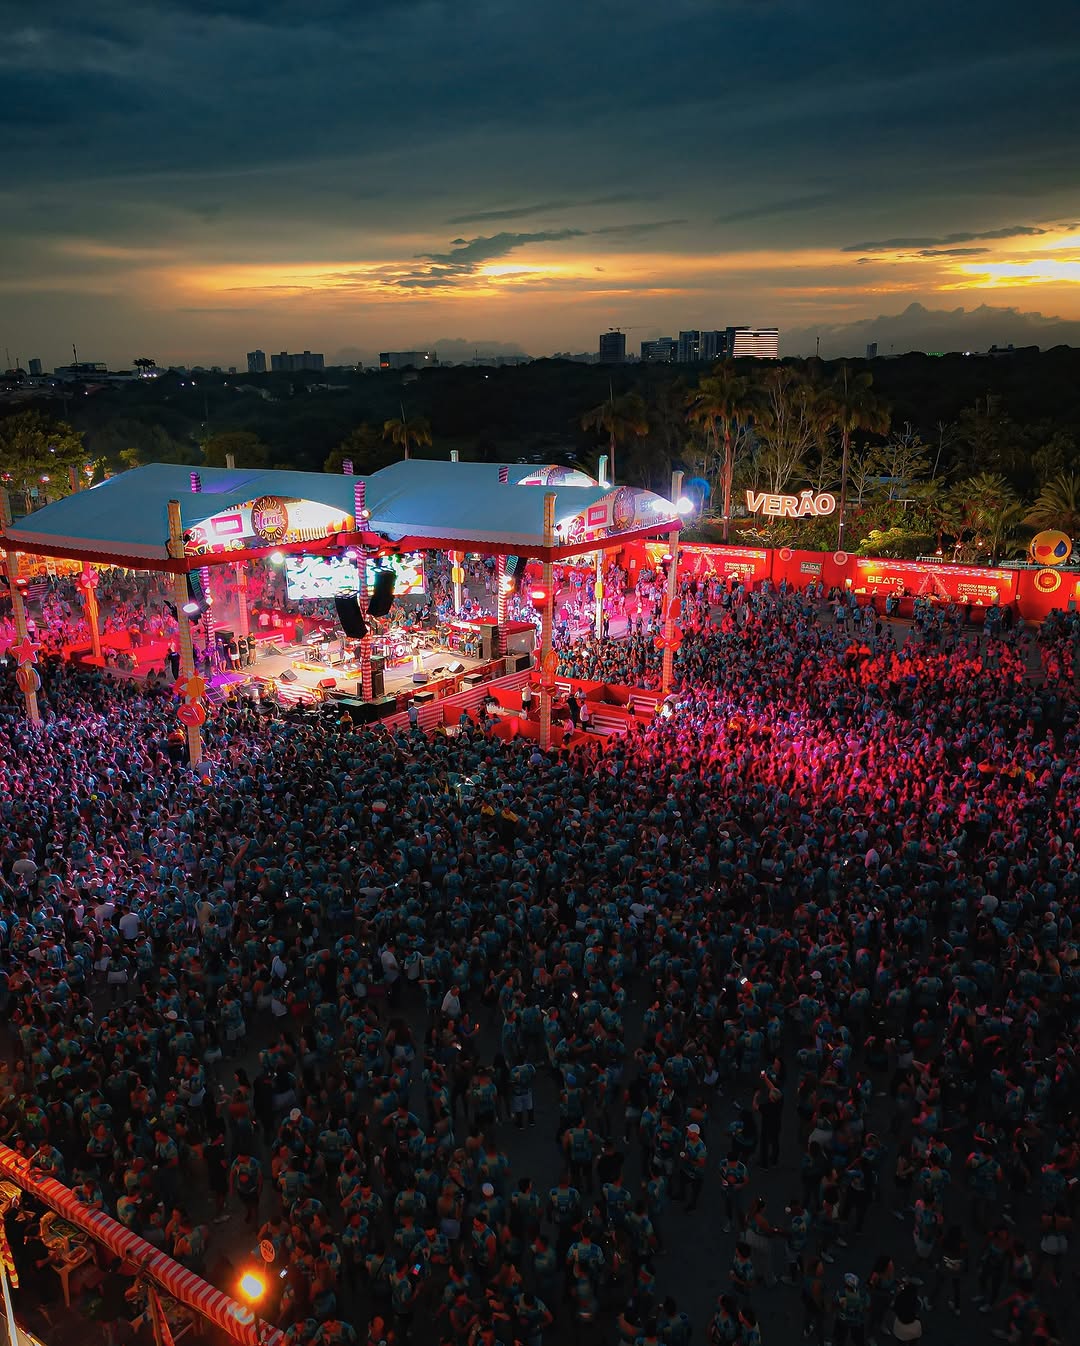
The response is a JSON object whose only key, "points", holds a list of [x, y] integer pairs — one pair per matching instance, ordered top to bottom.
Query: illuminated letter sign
{"points": [[804, 505]]}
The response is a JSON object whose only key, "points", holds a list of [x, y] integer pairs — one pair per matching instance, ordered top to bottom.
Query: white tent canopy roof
{"points": [[417, 502]]}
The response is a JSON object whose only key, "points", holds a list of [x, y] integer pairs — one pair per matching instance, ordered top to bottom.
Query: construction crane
{"points": [[634, 327]]}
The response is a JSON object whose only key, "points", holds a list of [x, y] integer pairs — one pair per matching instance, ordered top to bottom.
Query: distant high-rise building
{"points": [[760, 343], [696, 346], [612, 348], [687, 350], [871, 350], [661, 351], [407, 359], [256, 362], [284, 363], [35, 369]]}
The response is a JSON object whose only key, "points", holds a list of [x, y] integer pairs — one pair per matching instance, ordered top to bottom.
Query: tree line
{"points": [[952, 455]]}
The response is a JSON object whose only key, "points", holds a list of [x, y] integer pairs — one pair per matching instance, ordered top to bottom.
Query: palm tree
{"points": [[722, 400], [851, 406], [619, 418], [404, 433], [1058, 505], [985, 506]]}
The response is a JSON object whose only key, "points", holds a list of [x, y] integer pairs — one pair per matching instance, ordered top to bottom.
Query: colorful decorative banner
{"points": [[624, 510], [269, 521], [962, 584]]}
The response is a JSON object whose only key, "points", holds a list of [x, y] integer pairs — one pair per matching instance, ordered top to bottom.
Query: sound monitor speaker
{"points": [[382, 593], [350, 617], [456, 667], [288, 676], [421, 677], [326, 683], [422, 698], [367, 712]]}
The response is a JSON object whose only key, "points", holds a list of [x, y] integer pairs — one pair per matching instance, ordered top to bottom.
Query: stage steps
{"points": [[431, 715]]}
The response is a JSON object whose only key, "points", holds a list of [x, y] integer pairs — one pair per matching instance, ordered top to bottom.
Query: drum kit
{"points": [[395, 645]]}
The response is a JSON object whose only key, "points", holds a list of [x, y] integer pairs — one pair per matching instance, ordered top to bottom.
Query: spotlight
{"points": [[684, 505], [277, 558], [190, 608], [252, 1287]]}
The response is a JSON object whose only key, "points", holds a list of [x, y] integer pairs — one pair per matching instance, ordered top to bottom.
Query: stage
{"points": [[293, 674]]}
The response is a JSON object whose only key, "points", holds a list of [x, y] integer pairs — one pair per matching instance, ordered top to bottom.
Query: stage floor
{"points": [[269, 668]]}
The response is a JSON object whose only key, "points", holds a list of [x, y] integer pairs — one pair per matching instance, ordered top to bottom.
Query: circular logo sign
{"points": [[623, 510], [269, 519], [786, 553], [840, 557], [1046, 581], [192, 715], [266, 1250]]}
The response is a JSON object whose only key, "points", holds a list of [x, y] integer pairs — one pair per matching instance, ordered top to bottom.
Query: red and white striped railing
{"points": [[238, 1321]]}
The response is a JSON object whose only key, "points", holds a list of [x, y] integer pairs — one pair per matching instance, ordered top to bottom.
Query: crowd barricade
{"points": [[235, 1319]]}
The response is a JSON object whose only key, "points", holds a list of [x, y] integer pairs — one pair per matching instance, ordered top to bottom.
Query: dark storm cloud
{"points": [[352, 131], [906, 244], [469, 255]]}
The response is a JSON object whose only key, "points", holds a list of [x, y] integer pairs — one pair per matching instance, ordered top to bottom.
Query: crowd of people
{"points": [[780, 989]]}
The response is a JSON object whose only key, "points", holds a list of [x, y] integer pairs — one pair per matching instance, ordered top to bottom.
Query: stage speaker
{"points": [[382, 593], [350, 618], [489, 639], [524, 661], [456, 667], [288, 676], [421, 676], [327, 683], [378, 685], [422, 698], [367, 712]]}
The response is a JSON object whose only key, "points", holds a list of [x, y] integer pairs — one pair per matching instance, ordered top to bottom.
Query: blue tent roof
{"points": [[124, 520]]}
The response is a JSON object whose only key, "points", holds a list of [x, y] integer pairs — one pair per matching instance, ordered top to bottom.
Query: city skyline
{"points": [[368, 177]]}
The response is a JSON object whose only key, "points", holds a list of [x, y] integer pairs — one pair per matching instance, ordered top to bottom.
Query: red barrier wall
{"points": [[1034, 592], [1037, 593]]}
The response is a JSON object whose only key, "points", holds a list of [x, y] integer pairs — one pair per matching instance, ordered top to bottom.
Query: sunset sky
{"points": [[193, 180]]}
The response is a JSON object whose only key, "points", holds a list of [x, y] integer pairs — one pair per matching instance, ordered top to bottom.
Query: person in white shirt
{"points": [[130, 925], [391, 973]]}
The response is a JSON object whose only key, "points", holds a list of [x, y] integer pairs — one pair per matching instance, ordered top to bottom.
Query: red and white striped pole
{"points": [[501, 596], [208, 624], [367, 687]]}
